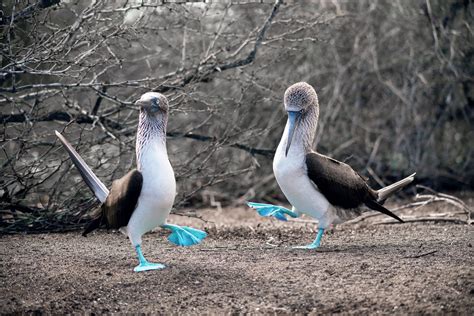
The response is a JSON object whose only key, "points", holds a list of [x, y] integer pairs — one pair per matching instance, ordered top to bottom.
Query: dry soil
{"points": [[245, 265]]}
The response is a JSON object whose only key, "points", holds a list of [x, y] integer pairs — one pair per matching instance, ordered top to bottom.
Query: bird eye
{"points": [[154, 105]]}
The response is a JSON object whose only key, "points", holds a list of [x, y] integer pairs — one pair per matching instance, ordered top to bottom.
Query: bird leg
{"points": [[278, 212], [184, 236], [315, 244], [144, 265]]}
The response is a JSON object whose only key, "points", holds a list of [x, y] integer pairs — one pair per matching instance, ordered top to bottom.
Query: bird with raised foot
{"points": [[319, 186], [142, 199]]}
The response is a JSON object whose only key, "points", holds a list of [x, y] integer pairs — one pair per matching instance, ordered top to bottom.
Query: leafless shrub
{"points": [[394, 82]]}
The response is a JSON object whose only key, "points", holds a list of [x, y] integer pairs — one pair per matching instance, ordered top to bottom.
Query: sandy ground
{"points": [[245, 265]]}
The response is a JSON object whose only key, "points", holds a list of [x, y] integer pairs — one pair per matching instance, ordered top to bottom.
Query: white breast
{"points": [[301, 192], [157, 195]]}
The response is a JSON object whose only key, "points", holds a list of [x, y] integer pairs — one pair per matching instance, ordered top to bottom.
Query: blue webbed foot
{"points": [[276, 211], [184, 236], [316, 243], [309, 246], [144, 265]]}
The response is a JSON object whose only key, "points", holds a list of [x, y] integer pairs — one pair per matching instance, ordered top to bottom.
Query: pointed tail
{"points": [[97, 187], [384, 193], [378, 207], [94, 224]]}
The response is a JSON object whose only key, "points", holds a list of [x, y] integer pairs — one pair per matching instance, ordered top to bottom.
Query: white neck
{"points": [[303, 136], [151, 138], [154, 146], [297, 147]]}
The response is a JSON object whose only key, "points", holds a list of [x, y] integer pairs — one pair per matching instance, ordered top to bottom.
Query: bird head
{"points": [[299, 98], [153, 103]]}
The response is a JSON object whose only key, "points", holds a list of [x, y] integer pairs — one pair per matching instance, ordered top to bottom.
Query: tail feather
{"points": [[97, 187], [384, 193], [378, 207], [94, 224]]}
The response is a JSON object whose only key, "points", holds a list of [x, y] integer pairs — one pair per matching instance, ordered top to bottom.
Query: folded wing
{"points": [[337, 181], [341, 185], [123, 199]]}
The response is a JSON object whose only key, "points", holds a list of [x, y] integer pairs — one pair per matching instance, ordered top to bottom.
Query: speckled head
{"points": [[299, 97], [153, 103], [301, 104], [152, 121]]}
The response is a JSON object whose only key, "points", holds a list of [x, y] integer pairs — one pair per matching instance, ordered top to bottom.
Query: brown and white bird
{"points": [[317, 185], [142, 199]]}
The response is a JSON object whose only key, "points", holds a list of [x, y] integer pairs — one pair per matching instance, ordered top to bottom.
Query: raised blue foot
{"points": [[266, 210], [184, 236], [315, 244], [144, 265]]}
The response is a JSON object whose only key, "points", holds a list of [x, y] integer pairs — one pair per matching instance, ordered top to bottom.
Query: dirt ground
{"points": [[245, 265]]}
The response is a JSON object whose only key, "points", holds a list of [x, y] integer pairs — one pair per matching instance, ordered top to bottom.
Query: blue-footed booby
{"points": [[317, 185], [142, 199]]}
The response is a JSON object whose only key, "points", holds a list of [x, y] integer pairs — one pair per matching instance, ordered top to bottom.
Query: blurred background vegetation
{"points": [[394, 79]]}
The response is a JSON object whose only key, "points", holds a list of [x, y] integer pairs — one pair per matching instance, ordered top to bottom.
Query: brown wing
{"points": [[337, 181], [122, 199]]}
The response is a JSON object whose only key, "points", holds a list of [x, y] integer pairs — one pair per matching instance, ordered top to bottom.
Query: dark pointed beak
{"points": [[139, 103], [293, 117]]}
